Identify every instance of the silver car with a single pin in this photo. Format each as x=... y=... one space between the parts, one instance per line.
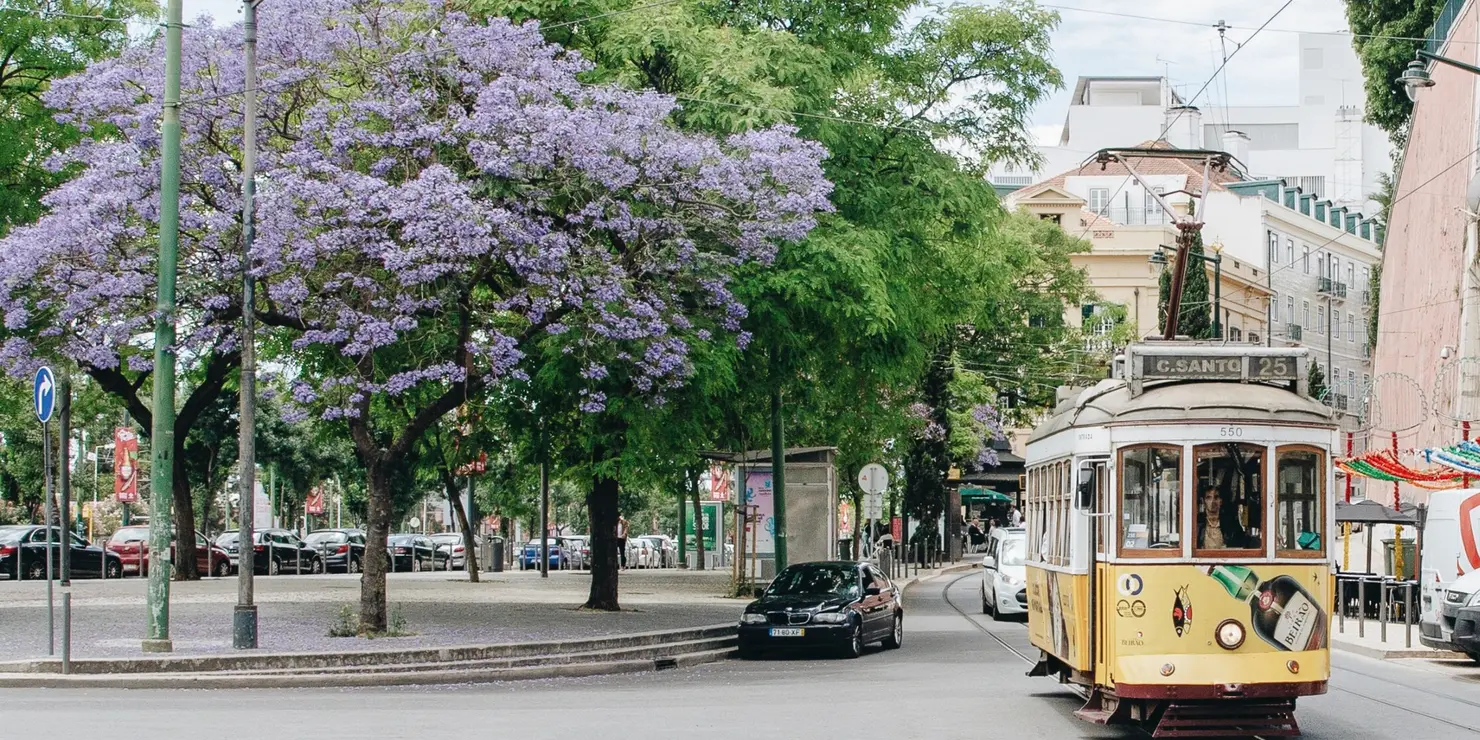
x=578 y=546
x=666 y=549
x=451 y=544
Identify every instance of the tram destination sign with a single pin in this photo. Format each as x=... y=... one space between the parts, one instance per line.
x=1219 y=367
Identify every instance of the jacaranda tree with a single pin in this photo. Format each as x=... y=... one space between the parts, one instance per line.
x=439 y=196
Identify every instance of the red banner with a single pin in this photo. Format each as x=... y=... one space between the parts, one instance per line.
x=478 y=466
x=125 y=465
x=314 y=504
x=896 y=529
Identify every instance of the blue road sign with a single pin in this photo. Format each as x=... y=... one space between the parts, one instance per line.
x=45 y=394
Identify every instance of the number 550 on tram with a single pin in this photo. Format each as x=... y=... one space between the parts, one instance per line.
x=1177 y=520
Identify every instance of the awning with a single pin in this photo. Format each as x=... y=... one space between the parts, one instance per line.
x=984 y=494
x=1371 y=512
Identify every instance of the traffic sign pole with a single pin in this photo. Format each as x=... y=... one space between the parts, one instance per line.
x=44 y=398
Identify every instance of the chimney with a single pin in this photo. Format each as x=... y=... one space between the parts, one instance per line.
x=1184 y=127
x=1236 y=143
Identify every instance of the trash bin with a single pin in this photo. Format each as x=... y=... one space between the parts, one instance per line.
x=1410 y=560
x=497 y=545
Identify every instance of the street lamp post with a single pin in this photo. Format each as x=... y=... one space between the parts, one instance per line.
x=244 y=617
x=1159 y=258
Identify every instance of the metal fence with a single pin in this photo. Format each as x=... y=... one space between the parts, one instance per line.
x=1385 y=600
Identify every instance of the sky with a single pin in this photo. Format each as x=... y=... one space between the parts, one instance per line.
x=1091 y=40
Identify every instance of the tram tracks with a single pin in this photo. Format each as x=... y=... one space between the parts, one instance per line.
x=969 y=617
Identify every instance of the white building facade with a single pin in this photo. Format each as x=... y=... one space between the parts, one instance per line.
x=1320 y=143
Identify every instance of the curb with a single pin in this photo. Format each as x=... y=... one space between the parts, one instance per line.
x=143 y=666
x=1404 y=653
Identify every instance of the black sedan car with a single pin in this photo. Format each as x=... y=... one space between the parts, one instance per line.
x=1466 y=637
x=343 y=550
x=415 y=552
x=23 y=551
x=274 y=551
x=832 y=605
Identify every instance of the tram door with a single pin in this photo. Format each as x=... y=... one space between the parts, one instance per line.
x=1094 y=499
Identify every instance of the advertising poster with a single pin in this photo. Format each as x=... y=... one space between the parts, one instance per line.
x=125 y=465
x=720 y=483
x=845 y=520
x=758 y=493
x=711 y=513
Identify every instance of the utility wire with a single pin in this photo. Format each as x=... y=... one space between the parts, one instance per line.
x=1207 y=25
x=1182 y=109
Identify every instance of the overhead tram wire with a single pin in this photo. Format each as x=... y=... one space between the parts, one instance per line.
x=1193 y=99
x=1208 y=25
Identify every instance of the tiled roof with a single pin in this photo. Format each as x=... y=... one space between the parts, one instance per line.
x=1144 y=166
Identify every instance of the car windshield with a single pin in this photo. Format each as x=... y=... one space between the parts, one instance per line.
x=130 y=534
x=12 y=534
x=1012 y=552
x=447 y=539
x=815 y=579
x=318 y=538
x=228 y=539
x=401 y=539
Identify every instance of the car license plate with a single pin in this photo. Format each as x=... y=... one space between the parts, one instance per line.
x=787 y=631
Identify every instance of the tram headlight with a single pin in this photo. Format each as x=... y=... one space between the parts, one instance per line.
x=1230 y=634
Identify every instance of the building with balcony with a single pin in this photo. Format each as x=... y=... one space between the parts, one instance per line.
x=1320 y=143
x=1319 y=259
x=1127 y=229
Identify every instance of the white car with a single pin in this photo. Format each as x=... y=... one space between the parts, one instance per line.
x=1004 y=577
x=666 y=548
x=643 y=553
x=452 y=544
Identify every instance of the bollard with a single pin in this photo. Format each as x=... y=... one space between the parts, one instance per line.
x=1382 y=611
x=1408 y=614
x=1362 y=607
x=66 y=631
x=1341 y=605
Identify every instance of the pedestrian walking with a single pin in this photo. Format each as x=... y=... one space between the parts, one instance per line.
x=622 y=540
x=1015 y=516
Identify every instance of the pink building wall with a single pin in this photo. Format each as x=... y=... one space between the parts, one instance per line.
x=1422 y=262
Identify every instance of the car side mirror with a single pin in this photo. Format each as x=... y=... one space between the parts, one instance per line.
x=989 y=562
x=871 y=590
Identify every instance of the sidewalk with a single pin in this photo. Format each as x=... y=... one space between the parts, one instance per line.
x=1372 y=645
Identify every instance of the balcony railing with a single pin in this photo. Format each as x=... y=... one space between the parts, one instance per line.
x=1292 y=332
x=1137 y=216
x=1332 y=288
x=1337 y=401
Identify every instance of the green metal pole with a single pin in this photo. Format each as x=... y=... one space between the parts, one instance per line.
x=683 y=500
x=778 y=465
x=162 y=439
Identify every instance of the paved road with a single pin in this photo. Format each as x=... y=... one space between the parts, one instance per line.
x=951 y=680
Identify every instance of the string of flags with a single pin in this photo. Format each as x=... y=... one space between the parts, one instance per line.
x=1383 y=465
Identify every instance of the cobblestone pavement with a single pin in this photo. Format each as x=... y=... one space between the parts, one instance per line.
x=296 y=612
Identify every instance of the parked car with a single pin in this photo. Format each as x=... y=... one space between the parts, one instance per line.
x=529 y=556
x=274 y=551
x=666 y=548
x=1004 y=577
x=578 y=551
x=649 y=553
x=131 y=544
x=343 y=550
x=452 y=546
x=836 y=605
x=412 y=552
x=23 y=549
x=1450 y=574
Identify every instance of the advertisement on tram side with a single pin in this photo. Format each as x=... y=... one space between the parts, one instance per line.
x=1058 y=605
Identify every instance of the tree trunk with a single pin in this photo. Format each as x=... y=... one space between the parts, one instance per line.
x=184 y=520
x=450 y=483
x=698 y=520
x=602 y=504
x=372 y=578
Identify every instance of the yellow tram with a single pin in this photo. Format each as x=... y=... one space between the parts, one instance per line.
x=1177 y=521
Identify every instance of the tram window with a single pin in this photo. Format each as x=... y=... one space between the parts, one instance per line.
x=1151 y=499
x=1230 y=496
x=1298 y=482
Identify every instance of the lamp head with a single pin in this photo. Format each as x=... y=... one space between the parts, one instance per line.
x=1415 y=76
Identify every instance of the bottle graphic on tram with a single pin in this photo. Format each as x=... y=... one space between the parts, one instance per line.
x=1284 y=614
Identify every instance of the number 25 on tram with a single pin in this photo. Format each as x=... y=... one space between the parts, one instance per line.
x=1176 y=521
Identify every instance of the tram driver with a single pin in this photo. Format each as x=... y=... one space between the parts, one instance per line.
x=1226 y=532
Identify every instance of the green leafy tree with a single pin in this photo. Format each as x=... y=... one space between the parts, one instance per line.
x=1315 y=381
x=1383 y=33
x=40 y=41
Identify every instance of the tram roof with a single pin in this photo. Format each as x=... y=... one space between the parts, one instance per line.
x=1112 y=402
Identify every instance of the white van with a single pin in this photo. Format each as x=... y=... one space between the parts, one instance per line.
x=1450 y=563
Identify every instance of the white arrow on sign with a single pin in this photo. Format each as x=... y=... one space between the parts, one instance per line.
x=873 y=478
